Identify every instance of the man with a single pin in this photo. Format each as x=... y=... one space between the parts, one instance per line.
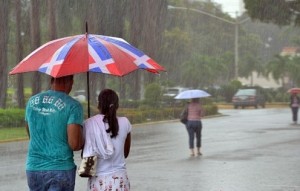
x=54 y=128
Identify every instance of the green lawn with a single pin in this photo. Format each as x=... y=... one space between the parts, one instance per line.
x=12 y=134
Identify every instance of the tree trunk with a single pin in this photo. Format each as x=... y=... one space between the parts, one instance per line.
x=155 y=16
x=51 y=19
x=117 y=29
x=4 y=7
x=51 y=9
x=136 y=24
x=19 y=56
x=111 y=15
x=35 y=42
x=96 y=20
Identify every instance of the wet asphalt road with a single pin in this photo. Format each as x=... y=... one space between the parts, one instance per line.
x=243 y=150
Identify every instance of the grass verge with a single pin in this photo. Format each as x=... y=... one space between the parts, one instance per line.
x=13 y=134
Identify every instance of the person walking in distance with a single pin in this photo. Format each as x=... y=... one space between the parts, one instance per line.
x=108 y=137
x=53 y=123
x=294 y=104
x=194 y=125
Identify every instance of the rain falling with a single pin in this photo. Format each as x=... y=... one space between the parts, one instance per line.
x=158 y=55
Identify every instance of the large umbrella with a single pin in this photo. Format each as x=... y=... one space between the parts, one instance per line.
x=189 y=94
x=87 y=53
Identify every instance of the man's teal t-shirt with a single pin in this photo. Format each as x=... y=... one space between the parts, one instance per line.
x=48 y=115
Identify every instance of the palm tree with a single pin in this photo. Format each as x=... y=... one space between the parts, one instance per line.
x=278 y=67
x=293 y=70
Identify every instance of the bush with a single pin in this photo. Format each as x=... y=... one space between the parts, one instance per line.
x=12 y=118
x=15 y=117
x=229 y=90
x=153 y=94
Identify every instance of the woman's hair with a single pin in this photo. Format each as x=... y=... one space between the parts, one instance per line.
x=195 y=100
x=108 y=103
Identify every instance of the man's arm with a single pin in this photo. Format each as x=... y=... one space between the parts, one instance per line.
x=75 y=138
x=27 y=130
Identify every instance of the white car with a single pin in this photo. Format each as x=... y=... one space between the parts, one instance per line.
x=80 y=95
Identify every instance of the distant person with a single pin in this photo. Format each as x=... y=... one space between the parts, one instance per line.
x=294 y=103
x=53 y=123
x=194 y=126
x=108 y=136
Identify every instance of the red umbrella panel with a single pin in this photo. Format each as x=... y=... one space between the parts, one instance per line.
x=294 y=90
x=87 y=53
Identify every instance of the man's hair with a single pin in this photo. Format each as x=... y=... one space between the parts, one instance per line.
x=61 y=79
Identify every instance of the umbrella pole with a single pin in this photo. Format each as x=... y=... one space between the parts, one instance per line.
x=88 y=79
x=88 y=93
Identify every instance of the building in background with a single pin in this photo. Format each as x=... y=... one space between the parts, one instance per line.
x=261 y=81
x=290 y=51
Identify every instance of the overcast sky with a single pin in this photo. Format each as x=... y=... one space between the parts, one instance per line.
x=230 y=6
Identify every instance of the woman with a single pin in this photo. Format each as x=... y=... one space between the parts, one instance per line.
x=111 y=146
x=194 y=125
x=294 y=103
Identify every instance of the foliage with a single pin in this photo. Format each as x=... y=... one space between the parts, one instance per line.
x=129 y=103
x=15 y=117
x=197 y=50
x=285 y=66
x=281 y=12
x=153 y=94
x=12 y=118
x=250 y=60
x=228 y=90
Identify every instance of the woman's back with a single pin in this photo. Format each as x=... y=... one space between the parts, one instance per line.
x=117 y=161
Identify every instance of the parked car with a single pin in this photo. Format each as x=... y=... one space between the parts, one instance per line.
x=174 y=91
x=170 y=93
x=80 y=95
x=248 y=97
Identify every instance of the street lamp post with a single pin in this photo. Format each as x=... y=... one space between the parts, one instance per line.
x=236 y=32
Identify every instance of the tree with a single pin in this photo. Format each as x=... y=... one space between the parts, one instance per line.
x=285 y=66
x=250 y=60
x=19 y=55
x=278 y=67
x=4 y=12
x=293 y=70
x=51 y=18
x=146 y=19
x=281 y=12
x=35 y=41
x=154 y=18
x=190 y=32
x=202 y=71
x=153 y=94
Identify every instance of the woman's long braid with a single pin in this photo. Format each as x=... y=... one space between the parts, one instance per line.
x=108 y=103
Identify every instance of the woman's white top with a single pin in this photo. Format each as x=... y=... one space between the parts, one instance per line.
x=110 y=151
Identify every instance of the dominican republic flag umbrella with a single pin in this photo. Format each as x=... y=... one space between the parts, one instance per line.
x=87 y=53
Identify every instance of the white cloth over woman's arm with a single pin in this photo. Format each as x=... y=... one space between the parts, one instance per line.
x=97 y=140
